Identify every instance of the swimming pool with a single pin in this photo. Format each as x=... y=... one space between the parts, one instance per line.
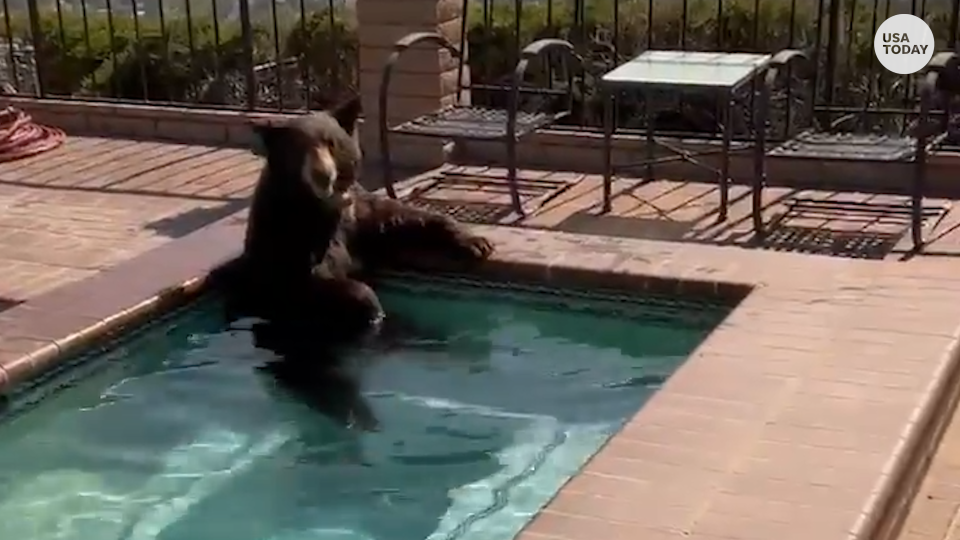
x=487 y=403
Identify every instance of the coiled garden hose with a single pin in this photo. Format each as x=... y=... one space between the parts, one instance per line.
x=21 y=137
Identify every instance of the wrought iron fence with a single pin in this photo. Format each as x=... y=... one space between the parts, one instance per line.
x=253 y=54
x=290 y=54
x=838 y=35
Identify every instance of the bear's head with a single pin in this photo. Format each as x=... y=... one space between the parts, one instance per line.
x=314 y=156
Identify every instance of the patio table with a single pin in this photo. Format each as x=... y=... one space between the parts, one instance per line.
x=683 y=72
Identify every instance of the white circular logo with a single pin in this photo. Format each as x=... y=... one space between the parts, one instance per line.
x=904 y=44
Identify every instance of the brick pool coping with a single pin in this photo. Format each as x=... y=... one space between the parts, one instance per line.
x=810 y=413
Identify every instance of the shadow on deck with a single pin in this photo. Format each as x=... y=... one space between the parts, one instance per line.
x=94 y=202
x=677 y=211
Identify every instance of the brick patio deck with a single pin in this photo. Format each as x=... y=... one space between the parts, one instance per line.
x=803 y=438
x=94 y=202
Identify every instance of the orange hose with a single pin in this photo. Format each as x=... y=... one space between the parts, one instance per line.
x=20 y=137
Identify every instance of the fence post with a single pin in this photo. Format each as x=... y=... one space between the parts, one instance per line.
x=834 y=37
x=250 y=77
x=955 y=28
x=33 y=12
x=423 y=81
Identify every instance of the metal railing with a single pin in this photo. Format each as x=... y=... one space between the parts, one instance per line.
x=292 y=54
x=248 y=54
x=837 y=34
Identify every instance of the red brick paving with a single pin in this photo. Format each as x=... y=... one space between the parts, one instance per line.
x=67 y=214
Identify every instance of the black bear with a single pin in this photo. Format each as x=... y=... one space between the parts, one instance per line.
x=314 y=235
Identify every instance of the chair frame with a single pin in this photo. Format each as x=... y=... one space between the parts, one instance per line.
x=511 y=127
x=926 y=137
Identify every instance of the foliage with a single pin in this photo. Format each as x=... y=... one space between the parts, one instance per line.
x=740 y=26
x=199 y=59
x=206 y=60
x=327 y=50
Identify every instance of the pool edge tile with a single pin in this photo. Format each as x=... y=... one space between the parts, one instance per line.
x=25 y=360
x=78 y=315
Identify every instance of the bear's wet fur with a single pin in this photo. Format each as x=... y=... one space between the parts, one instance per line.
x=290 y=226
x=315 y=236
x=319 y=376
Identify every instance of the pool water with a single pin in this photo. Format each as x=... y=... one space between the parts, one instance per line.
x=486 y=406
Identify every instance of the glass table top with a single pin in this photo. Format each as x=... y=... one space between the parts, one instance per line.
x=687 y=68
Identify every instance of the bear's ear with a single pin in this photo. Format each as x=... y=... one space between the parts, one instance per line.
x=267 y=134
x=347 y=114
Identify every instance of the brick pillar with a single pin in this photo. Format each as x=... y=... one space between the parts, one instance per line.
x=424 y=79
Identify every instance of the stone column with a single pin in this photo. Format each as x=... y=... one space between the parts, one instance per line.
x=423 y=81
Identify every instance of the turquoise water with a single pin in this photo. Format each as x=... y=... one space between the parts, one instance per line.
x=489 y=402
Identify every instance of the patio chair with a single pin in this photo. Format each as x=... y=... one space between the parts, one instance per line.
x=461 y=121
x=937 y=84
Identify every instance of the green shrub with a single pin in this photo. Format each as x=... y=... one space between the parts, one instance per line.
x=167 y=66
x=196 y=62
x=178 y=62
x=327 y=50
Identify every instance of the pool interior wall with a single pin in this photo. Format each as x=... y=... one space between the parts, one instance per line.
x=491 y=400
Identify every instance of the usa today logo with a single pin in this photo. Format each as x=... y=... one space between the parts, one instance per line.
x=904 y=44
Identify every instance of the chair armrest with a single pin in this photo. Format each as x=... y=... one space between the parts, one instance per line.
x=416 y=38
